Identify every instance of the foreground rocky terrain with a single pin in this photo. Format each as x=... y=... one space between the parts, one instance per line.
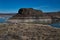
x=24 y=31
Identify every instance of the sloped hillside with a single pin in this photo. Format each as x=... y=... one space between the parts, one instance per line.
x=24 y=31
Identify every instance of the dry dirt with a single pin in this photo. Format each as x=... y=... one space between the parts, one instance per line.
x=24 y=31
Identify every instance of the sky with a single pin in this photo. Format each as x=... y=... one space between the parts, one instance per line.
x=12 y=6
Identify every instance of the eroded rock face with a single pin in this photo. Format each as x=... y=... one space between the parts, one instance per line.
x=29 y=11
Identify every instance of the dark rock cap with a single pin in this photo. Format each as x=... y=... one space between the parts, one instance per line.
x=26 y=12
x=29 y=11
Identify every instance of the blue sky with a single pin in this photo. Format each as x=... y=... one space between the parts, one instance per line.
x=12 y=6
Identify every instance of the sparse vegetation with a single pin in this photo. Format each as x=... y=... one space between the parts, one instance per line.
x=25 y=31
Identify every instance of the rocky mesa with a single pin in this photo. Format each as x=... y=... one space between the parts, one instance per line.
x=23 y=12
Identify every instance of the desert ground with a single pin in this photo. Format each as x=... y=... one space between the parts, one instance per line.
x=25 y=31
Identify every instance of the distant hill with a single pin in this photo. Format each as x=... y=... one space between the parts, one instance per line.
x=53 y=13
x=5 y=14
x=8 y=13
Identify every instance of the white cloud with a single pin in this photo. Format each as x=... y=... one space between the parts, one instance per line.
x=40 y=7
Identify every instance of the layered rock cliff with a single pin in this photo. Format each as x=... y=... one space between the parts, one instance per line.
x=23 y=12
